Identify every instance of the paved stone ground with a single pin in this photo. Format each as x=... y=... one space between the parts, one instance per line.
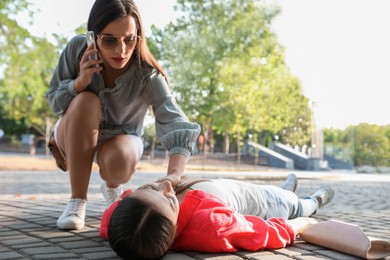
x=31 y=201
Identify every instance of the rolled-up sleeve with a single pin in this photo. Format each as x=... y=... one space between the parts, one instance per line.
x=173 y=129
x=61 y=89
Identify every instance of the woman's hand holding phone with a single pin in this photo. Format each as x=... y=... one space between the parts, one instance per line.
x=89 y=64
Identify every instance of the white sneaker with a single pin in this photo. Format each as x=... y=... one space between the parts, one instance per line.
x=73 y=216
x=111 y=194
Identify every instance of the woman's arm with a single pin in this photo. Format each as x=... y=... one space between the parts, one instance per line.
x=176 y=167
x=174 y=131
x=72 y=74
x=300 y=224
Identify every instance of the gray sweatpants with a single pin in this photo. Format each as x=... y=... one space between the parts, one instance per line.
x=265 y=201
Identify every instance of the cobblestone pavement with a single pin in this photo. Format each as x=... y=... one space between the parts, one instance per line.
x=31 y=201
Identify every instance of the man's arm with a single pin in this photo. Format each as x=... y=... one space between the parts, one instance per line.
x=300 y=224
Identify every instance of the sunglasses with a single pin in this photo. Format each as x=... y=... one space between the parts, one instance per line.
x=110 y=42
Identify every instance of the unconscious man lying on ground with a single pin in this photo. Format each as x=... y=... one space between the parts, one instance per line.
x=218 y=215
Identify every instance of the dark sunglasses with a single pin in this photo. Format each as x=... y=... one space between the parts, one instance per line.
x=110 y=42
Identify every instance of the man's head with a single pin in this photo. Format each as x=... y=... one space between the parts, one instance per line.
x=143 y=226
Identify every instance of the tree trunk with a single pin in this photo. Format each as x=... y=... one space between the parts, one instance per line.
x=226 y=143
x=238 y=148
x=152 y=149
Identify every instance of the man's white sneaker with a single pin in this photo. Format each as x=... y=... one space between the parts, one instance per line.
x=111 y=194
x=73 y=216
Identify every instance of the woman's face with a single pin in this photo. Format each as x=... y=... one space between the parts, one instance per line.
x=161 y=196
x=116 y=42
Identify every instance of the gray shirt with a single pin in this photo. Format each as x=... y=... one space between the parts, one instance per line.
x=124 y=107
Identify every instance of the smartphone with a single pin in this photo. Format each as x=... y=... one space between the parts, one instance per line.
x=91 y=41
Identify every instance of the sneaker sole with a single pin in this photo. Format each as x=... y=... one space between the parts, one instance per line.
x=70 y=226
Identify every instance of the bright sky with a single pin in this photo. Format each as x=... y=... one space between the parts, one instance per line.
x=340 y=50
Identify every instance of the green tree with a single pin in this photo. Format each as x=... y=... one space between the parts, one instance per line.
x=12 y=41
x=25 y=83
x=372 y=145
x=338 y=143
x=367 y=144
x=12 y=36
x=27 y=66
x=228 y=68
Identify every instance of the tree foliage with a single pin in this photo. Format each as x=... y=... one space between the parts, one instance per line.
x=369 y=143
x=27 y=66
x=12 y=36
x=229 y=70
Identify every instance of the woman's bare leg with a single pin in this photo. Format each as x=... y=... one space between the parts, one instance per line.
x=117 y=159
x=77 y=136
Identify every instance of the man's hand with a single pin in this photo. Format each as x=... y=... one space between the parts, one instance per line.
x=302 y=223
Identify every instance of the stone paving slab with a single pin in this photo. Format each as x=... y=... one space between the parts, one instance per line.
x=31 y=201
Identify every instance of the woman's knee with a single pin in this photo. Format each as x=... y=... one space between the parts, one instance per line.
x=117 y=159
x=116 y=169
x=86 y=104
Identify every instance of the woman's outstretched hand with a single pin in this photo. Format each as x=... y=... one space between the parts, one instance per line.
x=176 y=167
x=173 y=178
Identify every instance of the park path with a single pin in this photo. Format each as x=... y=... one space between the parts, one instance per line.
x=31 y=201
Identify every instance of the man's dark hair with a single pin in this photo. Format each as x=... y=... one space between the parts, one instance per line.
x=137 y=231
